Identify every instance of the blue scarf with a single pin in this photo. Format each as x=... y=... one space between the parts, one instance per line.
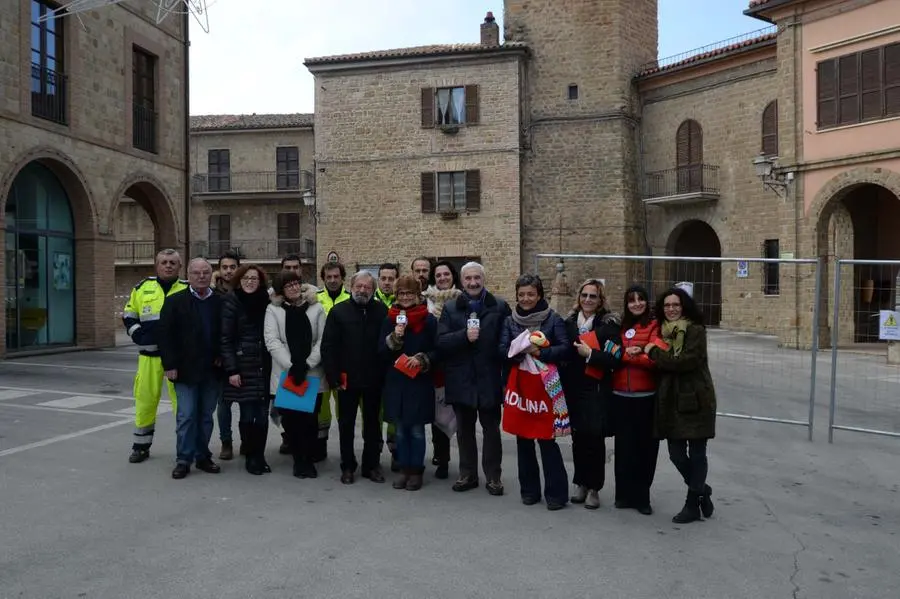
x=477 y=304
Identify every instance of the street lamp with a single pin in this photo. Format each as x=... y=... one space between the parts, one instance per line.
x=309 y=200
x=766 y=171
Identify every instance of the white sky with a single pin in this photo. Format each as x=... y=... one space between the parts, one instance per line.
x=251 y=61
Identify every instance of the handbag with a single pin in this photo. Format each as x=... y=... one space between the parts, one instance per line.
x=444 y=415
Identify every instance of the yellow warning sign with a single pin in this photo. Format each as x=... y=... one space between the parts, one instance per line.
x=890 y=321
x=889 y=329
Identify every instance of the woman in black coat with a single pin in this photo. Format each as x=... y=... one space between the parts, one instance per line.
x=246 y=361
x=411 y=331
x=587 y=380
x=533 y=313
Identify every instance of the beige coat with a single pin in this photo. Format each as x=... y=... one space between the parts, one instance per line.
x=276 y=341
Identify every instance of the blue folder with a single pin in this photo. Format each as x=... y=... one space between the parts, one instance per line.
x=301 y=403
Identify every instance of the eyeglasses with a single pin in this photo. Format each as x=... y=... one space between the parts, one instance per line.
x=292 y=285
x=589 y=296
x=406 y=294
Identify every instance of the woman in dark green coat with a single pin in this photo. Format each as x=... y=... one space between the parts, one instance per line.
x=686 y=412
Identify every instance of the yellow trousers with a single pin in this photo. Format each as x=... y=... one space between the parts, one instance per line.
x=148 y=382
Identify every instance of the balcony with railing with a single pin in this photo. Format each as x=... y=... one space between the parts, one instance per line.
x=135 y=252
x=255 y=184
x=140 y=253
x=144 y=125
x=49 y=94
x=692 y=184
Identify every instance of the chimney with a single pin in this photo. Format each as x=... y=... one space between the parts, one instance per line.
x=490 y=31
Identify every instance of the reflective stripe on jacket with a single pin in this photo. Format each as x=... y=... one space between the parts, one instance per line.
x=328 y=303
x=142 y=311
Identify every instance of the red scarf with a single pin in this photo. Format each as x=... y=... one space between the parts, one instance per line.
x=415 y=316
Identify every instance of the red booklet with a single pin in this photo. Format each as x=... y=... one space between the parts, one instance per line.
x=590 y=339
x=402 y=364
x=291 y=386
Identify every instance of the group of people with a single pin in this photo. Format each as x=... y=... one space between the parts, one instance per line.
x=409 y=350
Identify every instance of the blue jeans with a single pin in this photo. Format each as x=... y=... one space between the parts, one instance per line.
x=194 y=419
x=223 y=415
x=411 y=445
x=556 y=480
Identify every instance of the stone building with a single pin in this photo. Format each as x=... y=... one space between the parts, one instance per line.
x=779 y=144
x=249 y=175
x=89 y=116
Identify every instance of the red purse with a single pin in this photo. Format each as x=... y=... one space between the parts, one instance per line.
x=528 y=409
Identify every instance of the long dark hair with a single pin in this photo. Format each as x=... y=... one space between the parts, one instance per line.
x=453 y=273
x=689 y=309
x=629 y=320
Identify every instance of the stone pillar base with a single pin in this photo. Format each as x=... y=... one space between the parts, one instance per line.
x=893 y=352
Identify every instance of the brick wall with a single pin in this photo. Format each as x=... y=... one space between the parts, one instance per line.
x=369 y=183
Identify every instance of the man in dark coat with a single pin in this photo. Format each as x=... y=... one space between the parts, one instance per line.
x=468 y=343
x=350 y=359
x=189 y=345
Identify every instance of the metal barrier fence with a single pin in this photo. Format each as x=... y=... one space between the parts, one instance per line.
x=759 y=314
x=865 y=381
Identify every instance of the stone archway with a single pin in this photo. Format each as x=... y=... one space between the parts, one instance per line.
x=697 y=238
x=62 y=257
x=148 y=193
x=853 y=215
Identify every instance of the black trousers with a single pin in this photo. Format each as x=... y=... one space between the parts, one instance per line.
x=689 y=457
x=441 y=444
x=348 y=403
x=492 y=450
x=589 y=456
x=636 y=448
x=302 y=431
x=556 y=479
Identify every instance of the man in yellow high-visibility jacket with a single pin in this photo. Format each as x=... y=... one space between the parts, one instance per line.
x=141 y=318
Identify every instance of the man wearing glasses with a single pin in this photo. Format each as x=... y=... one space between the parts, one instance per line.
x=141 y=317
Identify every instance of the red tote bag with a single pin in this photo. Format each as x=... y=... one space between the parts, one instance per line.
x=527 y=409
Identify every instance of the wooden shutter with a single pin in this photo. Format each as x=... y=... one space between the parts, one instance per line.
x=429 y=202
x=689 y=157
x=428 y=108
x=892 y=80
x=472 y=105
x=826 y=93
x=770 y=129
x=848 y=89
x=870 y=80
x=473 y=191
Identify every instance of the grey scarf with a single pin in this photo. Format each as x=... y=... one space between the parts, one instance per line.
x=533 y=319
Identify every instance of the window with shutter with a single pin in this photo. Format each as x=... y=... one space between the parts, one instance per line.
x=427 y=108
x=689 y=157
x=287 y=167
x=892 y=80
x=219 y=234
x=218 y=170
x=770 y=129
x=848 y=88
x=826 y=93
x=472 y=105
x=289 y=241
x=429 y=203
x=870 y=75
x=473 y=191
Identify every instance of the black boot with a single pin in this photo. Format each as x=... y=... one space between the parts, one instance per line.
x=691 y=510
x=321 y=452
x=261 y=432
x=285 y=448
x=706 y=504
x=251 y=457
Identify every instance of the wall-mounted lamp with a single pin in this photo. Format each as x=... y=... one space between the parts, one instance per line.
x=766 y=168
x=309 y=200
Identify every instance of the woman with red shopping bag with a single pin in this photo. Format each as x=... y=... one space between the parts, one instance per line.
x=534 y=340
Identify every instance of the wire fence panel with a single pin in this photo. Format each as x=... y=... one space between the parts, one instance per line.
x=865 y=348
x=759 y=315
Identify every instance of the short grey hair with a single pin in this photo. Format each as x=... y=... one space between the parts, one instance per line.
x=195 y=260
x=168 y=252
x=362 y=274
x=472 y=266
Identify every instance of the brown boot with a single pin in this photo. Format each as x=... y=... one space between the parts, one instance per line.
x=402 y=479
x=415 y=480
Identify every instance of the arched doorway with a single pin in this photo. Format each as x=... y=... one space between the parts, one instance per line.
x=696 y=238
x=40 y=261
x=859 y=223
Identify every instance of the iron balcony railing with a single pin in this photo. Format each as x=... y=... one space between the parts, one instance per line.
x=695 y=179
x=135 y=252
x=255 y=249
x=49 y=94
x=251 y=182
x=144 y=126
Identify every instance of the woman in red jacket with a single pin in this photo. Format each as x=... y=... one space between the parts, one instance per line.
x=634 y=405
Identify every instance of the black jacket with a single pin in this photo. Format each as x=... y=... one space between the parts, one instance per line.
x=244 y=350
x=473 y=371
x=588 y=398
x=184 y=345
x=350 y=345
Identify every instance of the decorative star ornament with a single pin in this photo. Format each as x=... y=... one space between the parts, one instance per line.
x=197 y=8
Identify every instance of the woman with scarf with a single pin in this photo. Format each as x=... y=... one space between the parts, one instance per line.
x=246 y=362
x=686 y=413
x=634 y=405
x=533 y=313
x=443 y=286
x=295 y=323
x=409 y=341
x=587 y=380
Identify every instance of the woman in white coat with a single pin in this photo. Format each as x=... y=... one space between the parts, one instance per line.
x=295 y=323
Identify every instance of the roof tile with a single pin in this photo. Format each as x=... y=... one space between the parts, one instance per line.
x=716 y=53
x=230 y=122
x=414 y=52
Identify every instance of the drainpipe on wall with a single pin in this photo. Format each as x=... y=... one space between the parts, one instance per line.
x=186 y=26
